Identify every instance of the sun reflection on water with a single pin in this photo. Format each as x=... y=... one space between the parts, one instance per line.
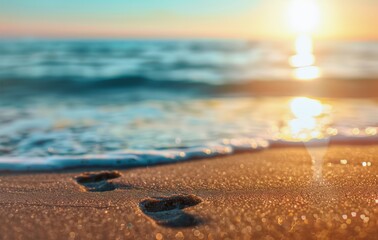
x=307 y=73
x=308 y=119
x=304 y=59
x=303 y=107
x=304 y=17
x=303 y=49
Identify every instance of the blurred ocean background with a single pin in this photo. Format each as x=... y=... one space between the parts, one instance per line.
x=168 y=63
x=151 y=101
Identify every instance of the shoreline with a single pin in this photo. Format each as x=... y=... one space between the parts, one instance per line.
x=134 y=159
x=271 y=194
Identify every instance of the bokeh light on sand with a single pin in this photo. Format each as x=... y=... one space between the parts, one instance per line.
x=311 y=122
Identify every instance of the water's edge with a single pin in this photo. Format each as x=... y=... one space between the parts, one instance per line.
x=130 y=158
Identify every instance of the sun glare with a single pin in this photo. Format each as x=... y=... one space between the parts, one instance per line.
x=303 y=61
x=307 y=73
x=306 y=120
x=303 y=107
x=303 y=48
x=304 y=16
x=304 y=44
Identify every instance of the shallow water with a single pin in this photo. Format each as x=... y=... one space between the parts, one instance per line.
x=76 y=103
x=154 y=131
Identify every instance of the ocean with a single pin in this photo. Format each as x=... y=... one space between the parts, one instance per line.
x=124 y=103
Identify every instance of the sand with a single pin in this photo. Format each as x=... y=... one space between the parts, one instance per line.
x=335 y=88
x=272 y=194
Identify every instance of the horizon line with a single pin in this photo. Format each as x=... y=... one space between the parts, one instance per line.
x=171 y=37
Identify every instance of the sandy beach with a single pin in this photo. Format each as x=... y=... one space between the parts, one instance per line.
x=271 y=194
x=189 y=120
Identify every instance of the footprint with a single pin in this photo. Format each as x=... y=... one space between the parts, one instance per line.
x=97 y=182
x=167 y=211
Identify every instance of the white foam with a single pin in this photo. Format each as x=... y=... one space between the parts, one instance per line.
x=138 y=158
x=129 y=158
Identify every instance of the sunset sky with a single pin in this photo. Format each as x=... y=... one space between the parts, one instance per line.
x=250 y=19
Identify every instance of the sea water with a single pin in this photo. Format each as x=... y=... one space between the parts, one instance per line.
x=99 y=103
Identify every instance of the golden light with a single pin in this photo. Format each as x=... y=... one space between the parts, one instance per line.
x=303 y=48
x=303 y=107
x=304 y=16
x=371 y=131
x=304 y=44
x=304 y=59
x=307 y=73
x=311 y=121
x=307 y=121
x=297 y=125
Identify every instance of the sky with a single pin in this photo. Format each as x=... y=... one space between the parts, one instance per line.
x=247 y=19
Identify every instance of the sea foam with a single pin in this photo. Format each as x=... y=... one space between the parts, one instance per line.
x=130 y=158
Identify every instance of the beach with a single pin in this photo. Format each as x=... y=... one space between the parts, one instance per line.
x=189 y=120
x=187 y=139
x=270 y=194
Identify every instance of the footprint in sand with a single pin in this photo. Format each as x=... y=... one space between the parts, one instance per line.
x=168 y=211
x=98 y=182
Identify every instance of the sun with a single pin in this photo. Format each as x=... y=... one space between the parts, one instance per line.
x=304 y=16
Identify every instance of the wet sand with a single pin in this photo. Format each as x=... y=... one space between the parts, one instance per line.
x=271 y=194
x=335 y=88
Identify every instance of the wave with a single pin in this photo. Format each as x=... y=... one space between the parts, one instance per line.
x=79 y=84
x=139 y=158
x=126 y=83
x=130 y=158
